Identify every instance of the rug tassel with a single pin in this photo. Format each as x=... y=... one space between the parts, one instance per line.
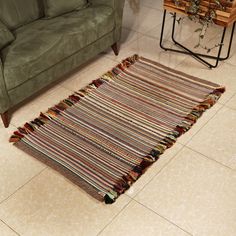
x=74 y=98
x=39 y=122
x=52 y=113
x=110 y=197
x=43 y=117
x=108 y=76
x=19 y=134
x=68 y=103
x=97 y=82
x=22 y=130
x=29 y=128
x=14 y=139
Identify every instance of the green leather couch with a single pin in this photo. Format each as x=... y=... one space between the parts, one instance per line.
x=42 y=40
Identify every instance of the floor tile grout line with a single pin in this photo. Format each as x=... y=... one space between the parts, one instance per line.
x=181 y=61
x=225 y=103
x=9 y=227
x=209 y=40
x=230 y=64
x=155 y=8
x=147 y=33
x=192 y=136
x=165 y=38
x=144 y=33
x=163 y=217
x=186 y=144
x=115 y=216
x=134 y=31
x=234 y=109
x=141 y=35
x=158 y=172
x=145 y=6
x=211 y=159
x=106 y=56
x=22 y=186
x=189 y=56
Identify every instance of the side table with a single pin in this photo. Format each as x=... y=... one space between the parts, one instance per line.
x=223 y=18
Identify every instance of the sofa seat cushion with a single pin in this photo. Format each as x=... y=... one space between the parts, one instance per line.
x=44 y=43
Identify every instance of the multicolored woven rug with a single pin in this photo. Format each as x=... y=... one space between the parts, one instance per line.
x=104 y=136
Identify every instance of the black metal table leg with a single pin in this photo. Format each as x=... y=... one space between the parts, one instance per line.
x=197 y=56
x=230 y=42
x=162 y=31
x=220 y=48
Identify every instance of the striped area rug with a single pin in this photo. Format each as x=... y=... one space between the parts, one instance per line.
x=104 y=136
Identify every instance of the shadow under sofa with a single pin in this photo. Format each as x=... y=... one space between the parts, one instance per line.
x=45 y=49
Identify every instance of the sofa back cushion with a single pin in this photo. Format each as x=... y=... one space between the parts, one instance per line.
x=6 y=37
x=15 y=13
x=58 y=7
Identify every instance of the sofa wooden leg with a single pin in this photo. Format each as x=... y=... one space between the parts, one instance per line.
x=115 y=48
x=5 y=119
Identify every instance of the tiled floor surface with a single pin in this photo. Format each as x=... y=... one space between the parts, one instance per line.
x=191 y=190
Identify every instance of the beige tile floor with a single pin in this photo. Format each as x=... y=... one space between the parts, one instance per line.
x=191 y=190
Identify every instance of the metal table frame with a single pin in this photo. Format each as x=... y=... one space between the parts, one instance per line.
x=197 y=56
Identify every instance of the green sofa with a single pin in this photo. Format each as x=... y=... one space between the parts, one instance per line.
x=43 y=40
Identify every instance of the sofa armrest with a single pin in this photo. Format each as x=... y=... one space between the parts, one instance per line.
x=117 y=5
x=4 y=98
